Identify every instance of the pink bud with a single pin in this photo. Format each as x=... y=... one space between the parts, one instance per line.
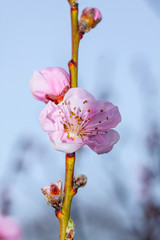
x=50 y=84
x=9 y=229
x=53 y=189
x=90 y=17
x=54 y=195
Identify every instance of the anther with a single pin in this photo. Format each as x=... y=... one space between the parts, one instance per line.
x=101 y=110
x=73 y=113
x=99 y=121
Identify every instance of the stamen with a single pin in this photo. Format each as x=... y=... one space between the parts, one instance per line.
x=73 y=113
x=77 y=126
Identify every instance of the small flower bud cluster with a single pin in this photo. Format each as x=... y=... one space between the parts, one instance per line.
x=79 y=180
x=70 y=230
x=90 y=17
x=54 y=195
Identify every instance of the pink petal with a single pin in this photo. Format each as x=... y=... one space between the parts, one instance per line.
x=57 y=79
x=56 y=188
x=55 y=136
x=46 y=190
x=79 y=93
x=97 y=13
x=48 y=123
x=39 y=86
x=103 y=143
x=70 y=146
x=59 y=185
x=80 y=98
x=106 y=115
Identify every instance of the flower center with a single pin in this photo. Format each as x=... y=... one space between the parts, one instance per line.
x=53 y=98
x=77 y=122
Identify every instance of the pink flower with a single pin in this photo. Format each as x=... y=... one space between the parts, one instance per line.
x=9 y=229
x=81 y=119
x=50 y=84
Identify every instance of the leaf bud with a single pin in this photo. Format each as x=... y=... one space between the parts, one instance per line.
x=79 y=181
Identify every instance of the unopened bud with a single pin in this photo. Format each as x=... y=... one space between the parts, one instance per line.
x=90 y=17
x=54 y=195
x=70 y=230
x=79 y=181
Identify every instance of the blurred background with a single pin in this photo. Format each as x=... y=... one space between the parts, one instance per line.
x=119 y=61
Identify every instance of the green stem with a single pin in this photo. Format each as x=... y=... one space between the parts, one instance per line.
x=64 y=215
x=69 y=193
x=73 y=64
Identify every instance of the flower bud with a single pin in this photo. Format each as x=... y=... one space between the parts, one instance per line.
x=70 y=230
x=79 y=181
x=54 y=195
x=51 y=83
x=90 y=17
